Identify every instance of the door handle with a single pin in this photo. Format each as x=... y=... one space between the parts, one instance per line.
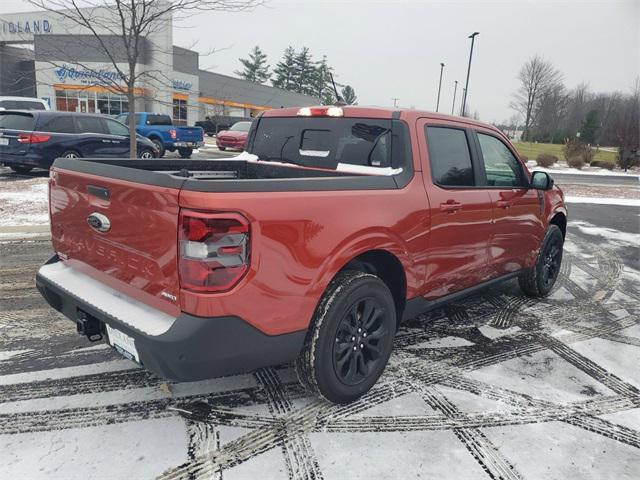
x=503 y=204
x=450 y=206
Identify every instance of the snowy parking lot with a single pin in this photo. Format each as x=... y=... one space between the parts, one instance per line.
x=495 y=386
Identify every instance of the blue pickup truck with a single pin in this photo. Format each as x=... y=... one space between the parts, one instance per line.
x=165 y=135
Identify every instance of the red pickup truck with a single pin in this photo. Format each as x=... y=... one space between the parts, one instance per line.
x=312 y=246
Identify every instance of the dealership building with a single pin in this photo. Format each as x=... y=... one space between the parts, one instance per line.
x=43 y=54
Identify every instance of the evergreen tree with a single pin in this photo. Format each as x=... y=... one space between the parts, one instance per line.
x=589 y=127
x=322 y=82
x=284 y=71
x=304 y=73
x=349 y=95
x=256 y=68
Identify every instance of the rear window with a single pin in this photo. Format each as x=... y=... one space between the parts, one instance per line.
x=16 y=121
x=324 y=142
x=21 y=105
x=56 y=124
x=159 y=120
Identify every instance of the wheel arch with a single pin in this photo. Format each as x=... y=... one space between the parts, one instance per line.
x=560 y=220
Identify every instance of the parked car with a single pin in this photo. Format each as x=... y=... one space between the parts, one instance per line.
x=235 y=137
x=217 y=123
x=35 y=139
x=333 y=227
x=23 y=103
x=165 y=135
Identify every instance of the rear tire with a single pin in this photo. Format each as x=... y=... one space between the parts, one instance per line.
x=540 y=279
x=185 y=152
x=20 y=168
x=146 y=154
x=70 y=154
x=349 y=339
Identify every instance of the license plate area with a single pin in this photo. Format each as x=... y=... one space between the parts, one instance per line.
x=4 y=141
x=123 y=343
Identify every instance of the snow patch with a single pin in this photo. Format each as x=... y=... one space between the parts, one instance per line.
x=631 y=202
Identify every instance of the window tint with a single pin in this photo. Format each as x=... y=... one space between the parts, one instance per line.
x=159 y=120
x=90 y=124
x=241 y=127
x=116 y=128
x=16 y=121
x=21 y=105
x=56 y=124
x=449 y=156
x=502 y=168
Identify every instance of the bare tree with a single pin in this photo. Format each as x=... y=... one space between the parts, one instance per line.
x=537 y=77
x=132 y=22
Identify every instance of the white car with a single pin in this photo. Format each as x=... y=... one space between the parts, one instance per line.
x=23 y=103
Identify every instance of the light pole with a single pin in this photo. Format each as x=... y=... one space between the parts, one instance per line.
x=439 y=86
x=395 y=101
x=455 y=89
x=463 y=92
x=466 y=86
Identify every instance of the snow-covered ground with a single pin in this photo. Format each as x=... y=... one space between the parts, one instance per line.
x=23 y=202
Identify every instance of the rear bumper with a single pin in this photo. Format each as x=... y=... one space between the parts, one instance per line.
x=185 y=348
x=28 y=160
x=187 y=144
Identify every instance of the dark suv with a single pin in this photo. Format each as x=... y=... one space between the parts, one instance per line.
x=34 y=139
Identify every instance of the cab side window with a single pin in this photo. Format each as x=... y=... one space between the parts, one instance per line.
x=501 y=167
x=449 y=157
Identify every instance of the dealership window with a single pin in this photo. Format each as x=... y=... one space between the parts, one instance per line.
x=92 y=102
x=179 y=111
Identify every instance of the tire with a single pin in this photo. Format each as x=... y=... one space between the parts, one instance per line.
x=20 y=168
x=158 y=143
x=210 y=134
x=185 y=152
x=334 y=347
x=70 y=154
x=146 y=154
x=540 y=279
x=222 y=149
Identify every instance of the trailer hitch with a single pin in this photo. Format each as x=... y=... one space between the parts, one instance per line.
x=88 y=326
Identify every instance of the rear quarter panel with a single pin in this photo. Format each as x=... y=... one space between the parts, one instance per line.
x=300 y=240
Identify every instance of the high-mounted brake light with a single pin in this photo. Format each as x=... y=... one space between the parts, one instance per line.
x=214 y=250
x=320 y=112
x=173 y=134
x=33 y=138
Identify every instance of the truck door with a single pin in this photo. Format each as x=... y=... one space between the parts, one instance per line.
x=518 y=228
x=461 y=213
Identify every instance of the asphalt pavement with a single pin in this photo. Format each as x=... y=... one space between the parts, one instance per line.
x=587 y=179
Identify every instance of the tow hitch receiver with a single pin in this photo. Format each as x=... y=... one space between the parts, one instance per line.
x=88 y=326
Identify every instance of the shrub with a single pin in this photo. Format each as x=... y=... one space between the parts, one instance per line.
x=524 y=158
x=545 y=160
x=576 y=162
x=602 y=164
x=573 y=147
x=628 y=157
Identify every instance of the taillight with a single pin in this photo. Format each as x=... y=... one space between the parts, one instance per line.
x=214 y=250
x=33 y=138
x=173 y=134
x=325 y=111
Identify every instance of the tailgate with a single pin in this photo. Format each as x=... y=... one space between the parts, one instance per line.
x=121 y=233
x=189 y=134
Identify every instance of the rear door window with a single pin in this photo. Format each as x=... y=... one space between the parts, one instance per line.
x=450 y=157
x=16 y=121
x=56 y=124
x=90 y=125
x=324 y=142
x=116 y=128
x=501 y=167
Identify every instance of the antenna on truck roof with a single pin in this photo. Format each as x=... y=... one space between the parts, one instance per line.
x=339 y=100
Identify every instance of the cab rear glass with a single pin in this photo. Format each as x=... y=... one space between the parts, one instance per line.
x=324 y=142
x=21 y=105
x=16 y=121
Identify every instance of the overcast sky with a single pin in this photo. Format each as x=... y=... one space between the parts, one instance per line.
x=388 y=49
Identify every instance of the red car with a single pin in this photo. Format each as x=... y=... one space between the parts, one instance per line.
x=334 y=226
x=234 y=138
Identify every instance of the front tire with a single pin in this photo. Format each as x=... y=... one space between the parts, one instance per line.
x=185 y=152
x=159 y=146
x=146 y=154
x=350 y=338
x=540 y=279
x=222 y=149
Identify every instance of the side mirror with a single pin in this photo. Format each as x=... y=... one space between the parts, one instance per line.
x=541 y=181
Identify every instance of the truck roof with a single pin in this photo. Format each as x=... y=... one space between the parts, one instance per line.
x=407 y=114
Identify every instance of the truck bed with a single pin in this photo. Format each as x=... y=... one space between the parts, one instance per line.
x=228 y=175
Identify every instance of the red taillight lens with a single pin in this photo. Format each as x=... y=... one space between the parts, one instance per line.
x=173 y=134
x=33 y=138
x=214 y=250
